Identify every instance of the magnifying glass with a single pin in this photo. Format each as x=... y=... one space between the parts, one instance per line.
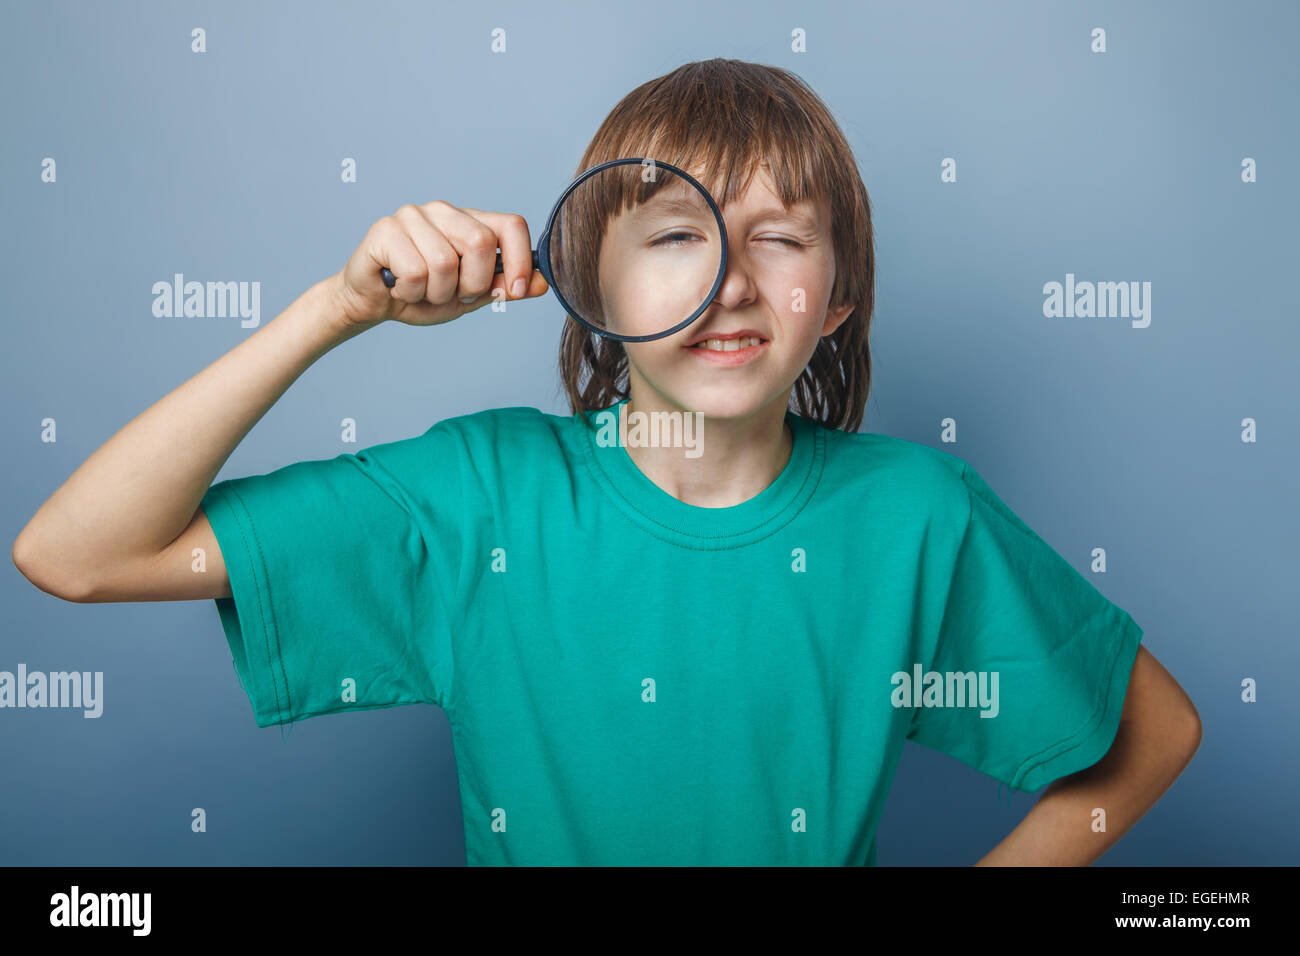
x=634 y=249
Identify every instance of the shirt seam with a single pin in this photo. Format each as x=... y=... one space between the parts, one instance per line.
x=265 y=606
x=444 y=603
x=1085 y=730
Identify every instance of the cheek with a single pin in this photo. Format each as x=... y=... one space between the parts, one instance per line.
x=644 y=301
x=624 y=300
x=800 y=294
x=652 y=358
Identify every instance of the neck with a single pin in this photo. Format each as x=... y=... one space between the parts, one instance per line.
x=741 y=456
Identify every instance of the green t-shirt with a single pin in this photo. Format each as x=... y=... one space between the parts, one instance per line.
x=632 y=680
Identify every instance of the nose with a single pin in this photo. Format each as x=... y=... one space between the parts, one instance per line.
x=737 y=289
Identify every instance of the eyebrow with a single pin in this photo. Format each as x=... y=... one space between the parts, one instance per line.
x=779 y=214
x=663 y=204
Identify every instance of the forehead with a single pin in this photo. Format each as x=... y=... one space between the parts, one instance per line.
x=759 y=199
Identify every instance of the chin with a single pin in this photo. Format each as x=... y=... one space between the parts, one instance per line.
x=725 y=400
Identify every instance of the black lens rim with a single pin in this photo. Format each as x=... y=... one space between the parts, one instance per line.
x=544 y=250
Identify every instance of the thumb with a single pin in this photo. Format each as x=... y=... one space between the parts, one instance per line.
x=537 y=284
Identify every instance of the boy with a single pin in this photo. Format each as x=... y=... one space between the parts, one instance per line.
x=645 y=658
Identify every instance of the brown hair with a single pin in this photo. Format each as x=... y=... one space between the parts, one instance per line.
x=728 y=117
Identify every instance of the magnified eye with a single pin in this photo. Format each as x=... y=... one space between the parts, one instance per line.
x=675 y=240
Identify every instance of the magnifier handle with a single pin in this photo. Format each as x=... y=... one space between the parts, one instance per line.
x=390 y=280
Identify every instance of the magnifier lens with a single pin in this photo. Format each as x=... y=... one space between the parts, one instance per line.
x=635 y=249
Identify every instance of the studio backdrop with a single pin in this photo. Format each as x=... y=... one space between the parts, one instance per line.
x=1085 y=222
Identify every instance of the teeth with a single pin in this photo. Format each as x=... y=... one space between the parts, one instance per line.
x=728 y=345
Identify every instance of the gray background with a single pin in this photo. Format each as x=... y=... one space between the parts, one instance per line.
x=225 y=166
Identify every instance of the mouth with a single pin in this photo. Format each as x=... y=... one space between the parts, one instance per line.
x=727 y=348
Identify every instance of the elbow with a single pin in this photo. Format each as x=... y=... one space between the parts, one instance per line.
x=1189 y=737
x=1193 y=731
x=23 y=555
x=32 y=564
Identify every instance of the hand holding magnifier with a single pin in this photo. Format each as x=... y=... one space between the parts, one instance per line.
x=634 y=250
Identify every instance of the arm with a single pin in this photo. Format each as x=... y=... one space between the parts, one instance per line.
x=122 y=527
x=1158 y=735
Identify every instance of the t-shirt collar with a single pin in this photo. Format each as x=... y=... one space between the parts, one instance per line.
x=709 y=528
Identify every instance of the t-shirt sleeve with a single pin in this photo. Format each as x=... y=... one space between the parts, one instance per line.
x=1061 y=653
x=339 y=579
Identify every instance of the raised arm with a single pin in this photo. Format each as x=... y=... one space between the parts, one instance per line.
x=124 y=525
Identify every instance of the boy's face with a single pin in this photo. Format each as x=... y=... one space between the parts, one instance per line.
x=777 y=287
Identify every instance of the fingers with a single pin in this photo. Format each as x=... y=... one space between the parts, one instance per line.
x=516 y=245
x=441 y=266
x=395 y=249
x=444 y=258
x=474 y=242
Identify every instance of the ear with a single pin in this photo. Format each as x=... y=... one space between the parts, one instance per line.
x=835 y=318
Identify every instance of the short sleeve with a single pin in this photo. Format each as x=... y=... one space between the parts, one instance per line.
x=1054 y=655
x=336 y=570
